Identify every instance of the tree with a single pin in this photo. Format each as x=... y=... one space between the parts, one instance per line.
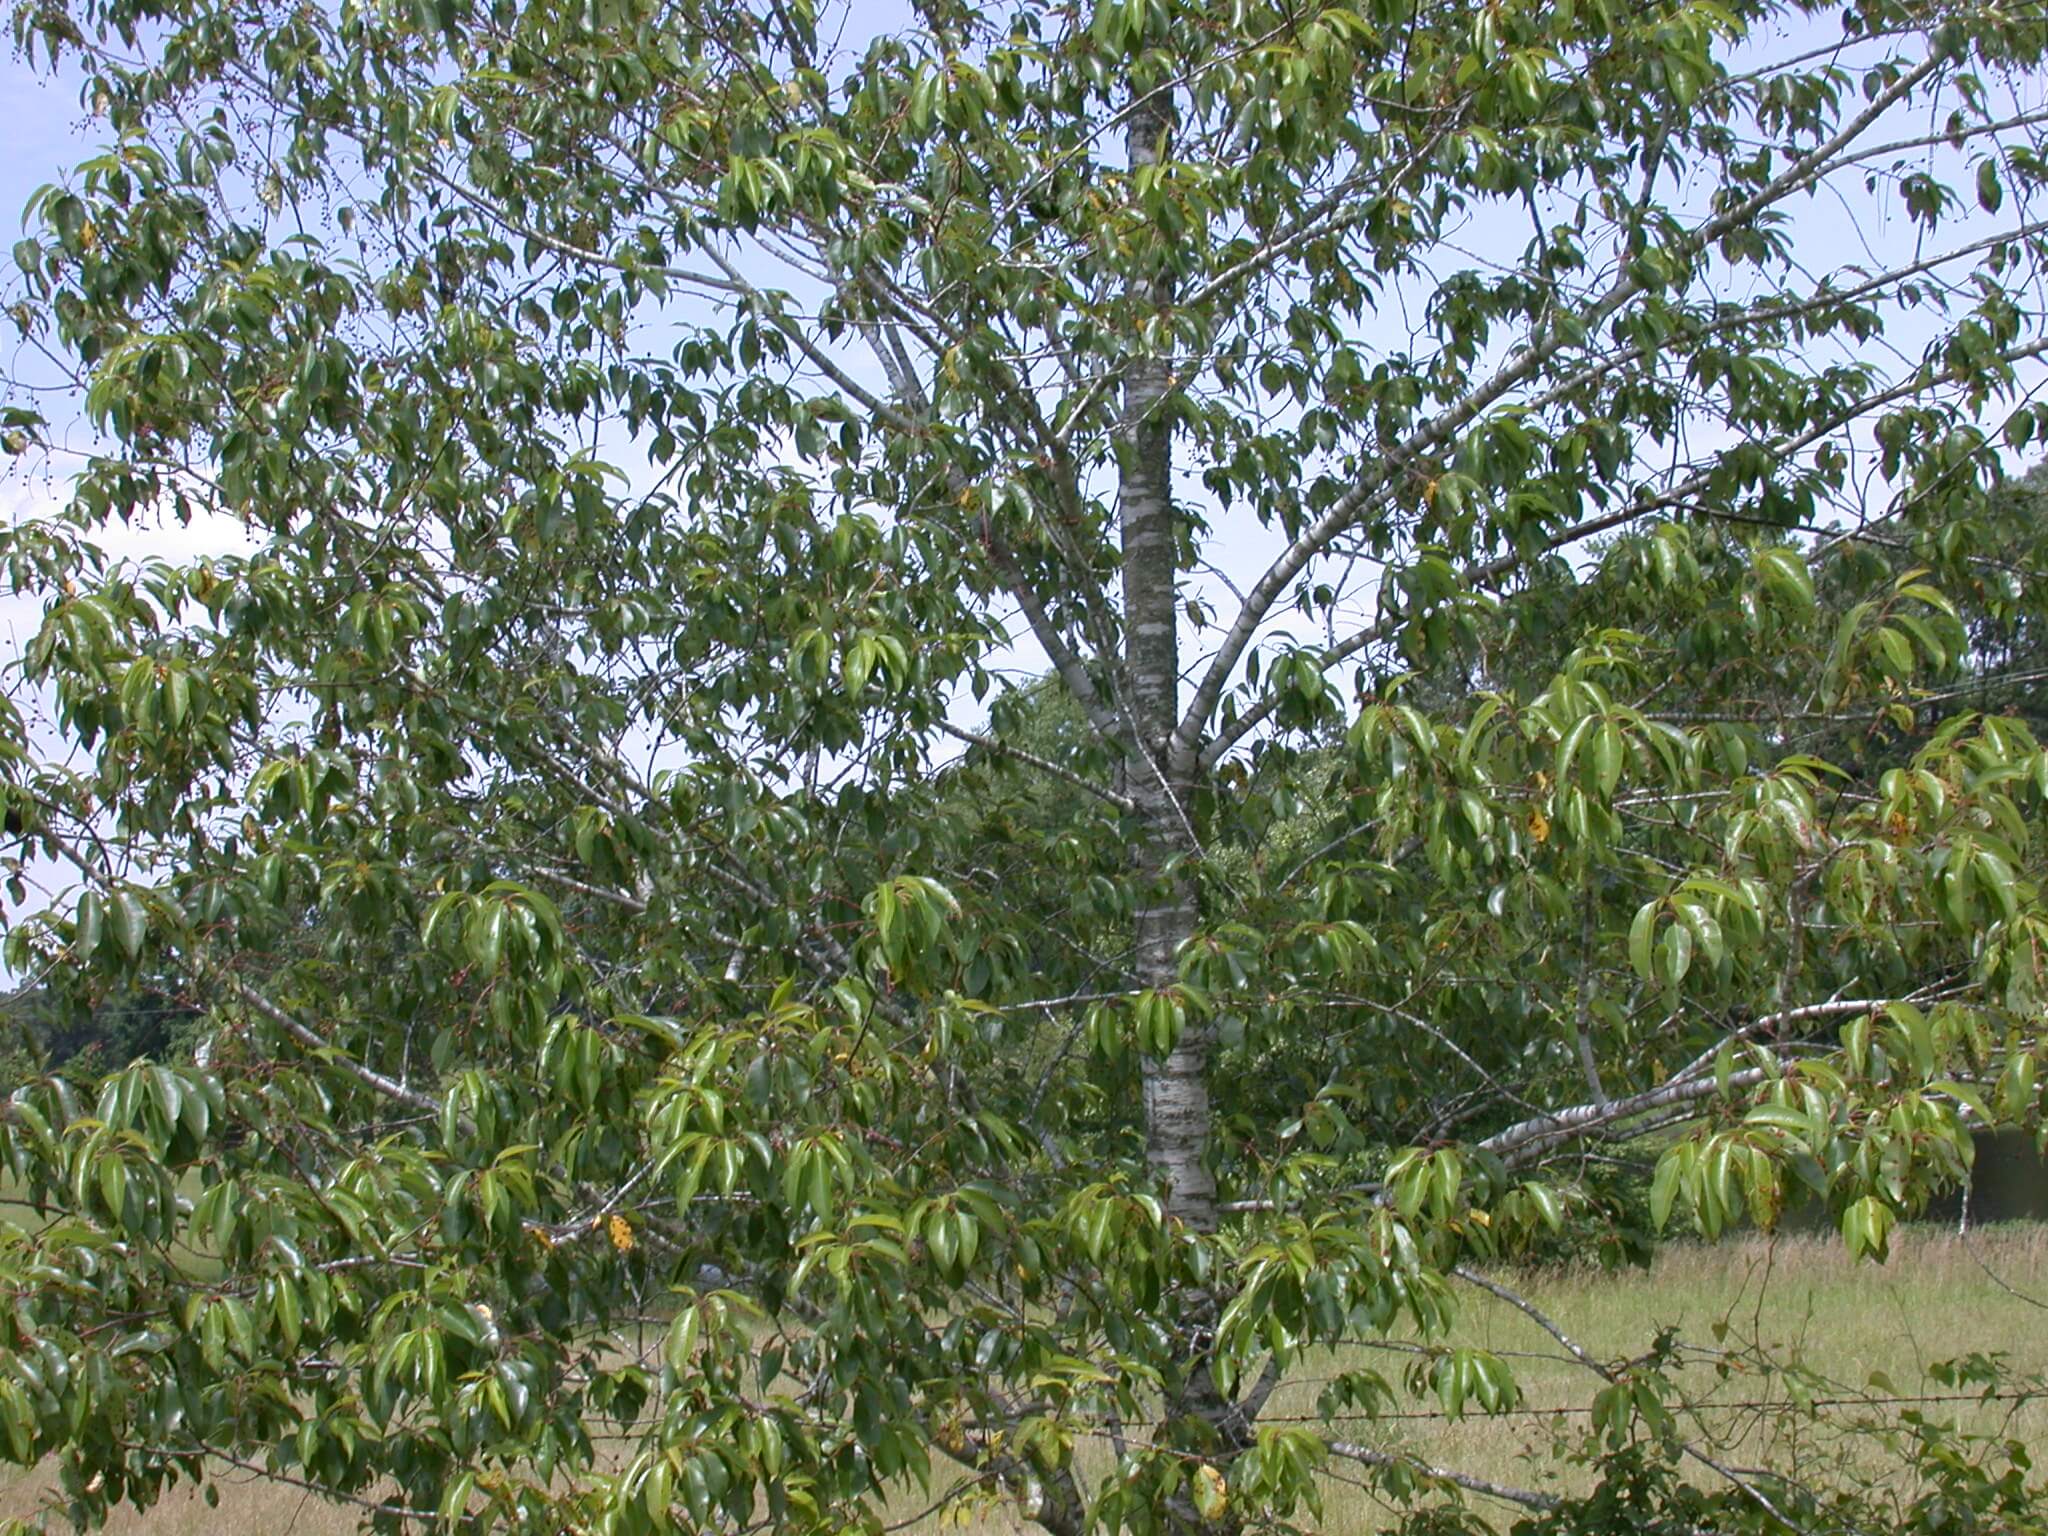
x=652 y=1078
x=87 y=1034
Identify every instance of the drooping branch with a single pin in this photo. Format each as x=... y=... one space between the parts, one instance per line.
x=1535 y=1315
x=1479 y=578
x=1073 y=672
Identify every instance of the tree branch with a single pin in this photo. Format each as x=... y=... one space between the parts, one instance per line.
x=1366 y=1456
x=1033 y=760
x=1524 y=1141
x=376 y=1082
x=1522 y=366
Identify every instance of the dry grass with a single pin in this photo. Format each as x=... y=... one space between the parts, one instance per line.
x=1849 y=1330
x=1796 y=1298
x=247 y=1508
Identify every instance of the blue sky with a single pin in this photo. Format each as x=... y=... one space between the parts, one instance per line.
x=43 y=132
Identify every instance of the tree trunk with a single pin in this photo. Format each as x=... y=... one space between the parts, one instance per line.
x=1177 y=1112
x=1176 y=1095
x=1161 y=774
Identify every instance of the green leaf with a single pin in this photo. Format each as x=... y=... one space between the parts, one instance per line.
x=1785 y=573
x=1608 y=752
x=1866 y=1229
x=1676 y=951
x=1664 y=1184
x=1990 y=197
x=484 y=935
x=127 y=922
x=1641 y=937
x=88 y=918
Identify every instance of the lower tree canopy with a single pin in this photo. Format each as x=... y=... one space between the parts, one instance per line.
x=937 y=736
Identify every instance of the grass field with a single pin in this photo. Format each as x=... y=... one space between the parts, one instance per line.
x=1852 y=1330
x=1797 y=1297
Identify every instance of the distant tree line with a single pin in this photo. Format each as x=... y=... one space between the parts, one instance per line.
x=47 y=1027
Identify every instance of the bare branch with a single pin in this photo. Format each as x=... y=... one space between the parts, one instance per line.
x=376 y=1082
x=1033 y=760
x=1366 y=1456
x=1526 y=1140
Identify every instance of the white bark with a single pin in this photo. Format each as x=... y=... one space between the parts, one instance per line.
x=1177 y=1112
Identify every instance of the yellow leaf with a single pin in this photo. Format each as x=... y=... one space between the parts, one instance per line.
x=1210 y=1494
